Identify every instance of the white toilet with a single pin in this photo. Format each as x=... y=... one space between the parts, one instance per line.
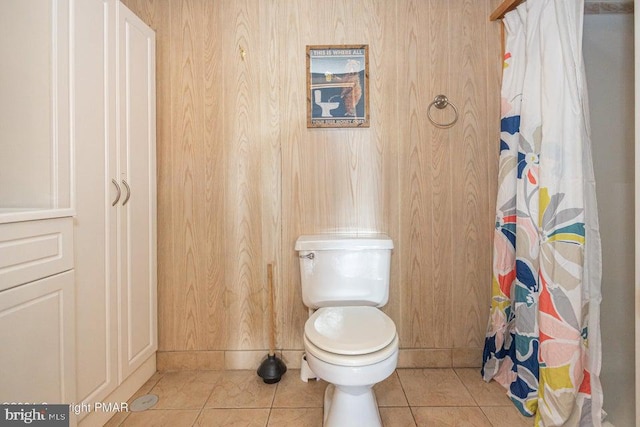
x=349 y=342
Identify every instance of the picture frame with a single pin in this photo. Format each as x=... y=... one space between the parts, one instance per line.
x=337 y=86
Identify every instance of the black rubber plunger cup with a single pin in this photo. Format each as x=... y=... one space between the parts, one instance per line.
x=272 y=368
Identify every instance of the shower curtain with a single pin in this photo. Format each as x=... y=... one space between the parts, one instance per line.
x=543 y=338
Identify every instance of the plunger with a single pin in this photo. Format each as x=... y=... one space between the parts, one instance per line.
x=272 y=368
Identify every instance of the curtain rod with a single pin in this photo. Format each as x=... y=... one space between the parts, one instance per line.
x=503 y=8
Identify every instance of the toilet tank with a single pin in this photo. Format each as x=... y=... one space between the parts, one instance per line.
x=340 y=270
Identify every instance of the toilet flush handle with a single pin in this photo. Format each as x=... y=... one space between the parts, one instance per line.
x=310 y=255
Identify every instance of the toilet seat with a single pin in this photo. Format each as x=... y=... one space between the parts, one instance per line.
x=351 y=330
x=352 y=360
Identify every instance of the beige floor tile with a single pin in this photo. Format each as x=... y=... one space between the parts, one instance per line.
x=151 y=382
x=117 y=419
x=485 y=394
x=300 y=417
x=450 y=417
x=184 y=389
x=292 y=392
x=147 y=387
x=241 y=389
x=161 y=418
x=397 y=417
x=434 y=387
x=389 y=392
x=439 y=397
x=233 y=418
x=506 y=416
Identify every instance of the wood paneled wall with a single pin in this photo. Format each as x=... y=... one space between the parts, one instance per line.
x=240 y=176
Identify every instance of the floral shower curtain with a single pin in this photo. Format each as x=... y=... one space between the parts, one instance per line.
x=543 y=339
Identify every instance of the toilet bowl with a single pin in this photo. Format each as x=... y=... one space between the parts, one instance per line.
x=349 y=342
x=352 y=348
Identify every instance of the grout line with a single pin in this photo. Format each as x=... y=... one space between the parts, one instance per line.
x=273 y=399
x=466 y=388
x=392 y=406
x=413 y=416
x=268 y=417
x=204 y=404
x=197 y=418
x=487 y=417
x=402 y=387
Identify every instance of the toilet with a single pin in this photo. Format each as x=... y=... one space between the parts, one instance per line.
x=349 y=342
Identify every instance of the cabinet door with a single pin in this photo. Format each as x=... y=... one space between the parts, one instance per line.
x=37 y=336
x=95 y=221
x=138 y=333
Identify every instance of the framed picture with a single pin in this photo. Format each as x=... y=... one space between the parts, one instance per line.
x=338 y=86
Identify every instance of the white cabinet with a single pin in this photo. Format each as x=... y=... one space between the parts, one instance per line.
x=115 y=230
x=77 y=295
x=37 y=336
x=37 y=326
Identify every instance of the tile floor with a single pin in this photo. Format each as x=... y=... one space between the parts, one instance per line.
x=409 y=397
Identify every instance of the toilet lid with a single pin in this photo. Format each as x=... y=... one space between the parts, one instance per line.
x=350 y=330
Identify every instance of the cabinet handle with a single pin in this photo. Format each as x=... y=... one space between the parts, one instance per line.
x=126 y=199
x=118 y=190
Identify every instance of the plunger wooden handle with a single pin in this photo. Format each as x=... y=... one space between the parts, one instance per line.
x=272 y=332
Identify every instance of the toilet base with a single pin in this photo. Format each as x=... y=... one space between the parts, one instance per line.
x=350 y=406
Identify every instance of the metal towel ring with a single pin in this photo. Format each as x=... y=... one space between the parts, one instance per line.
x=441 y=102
